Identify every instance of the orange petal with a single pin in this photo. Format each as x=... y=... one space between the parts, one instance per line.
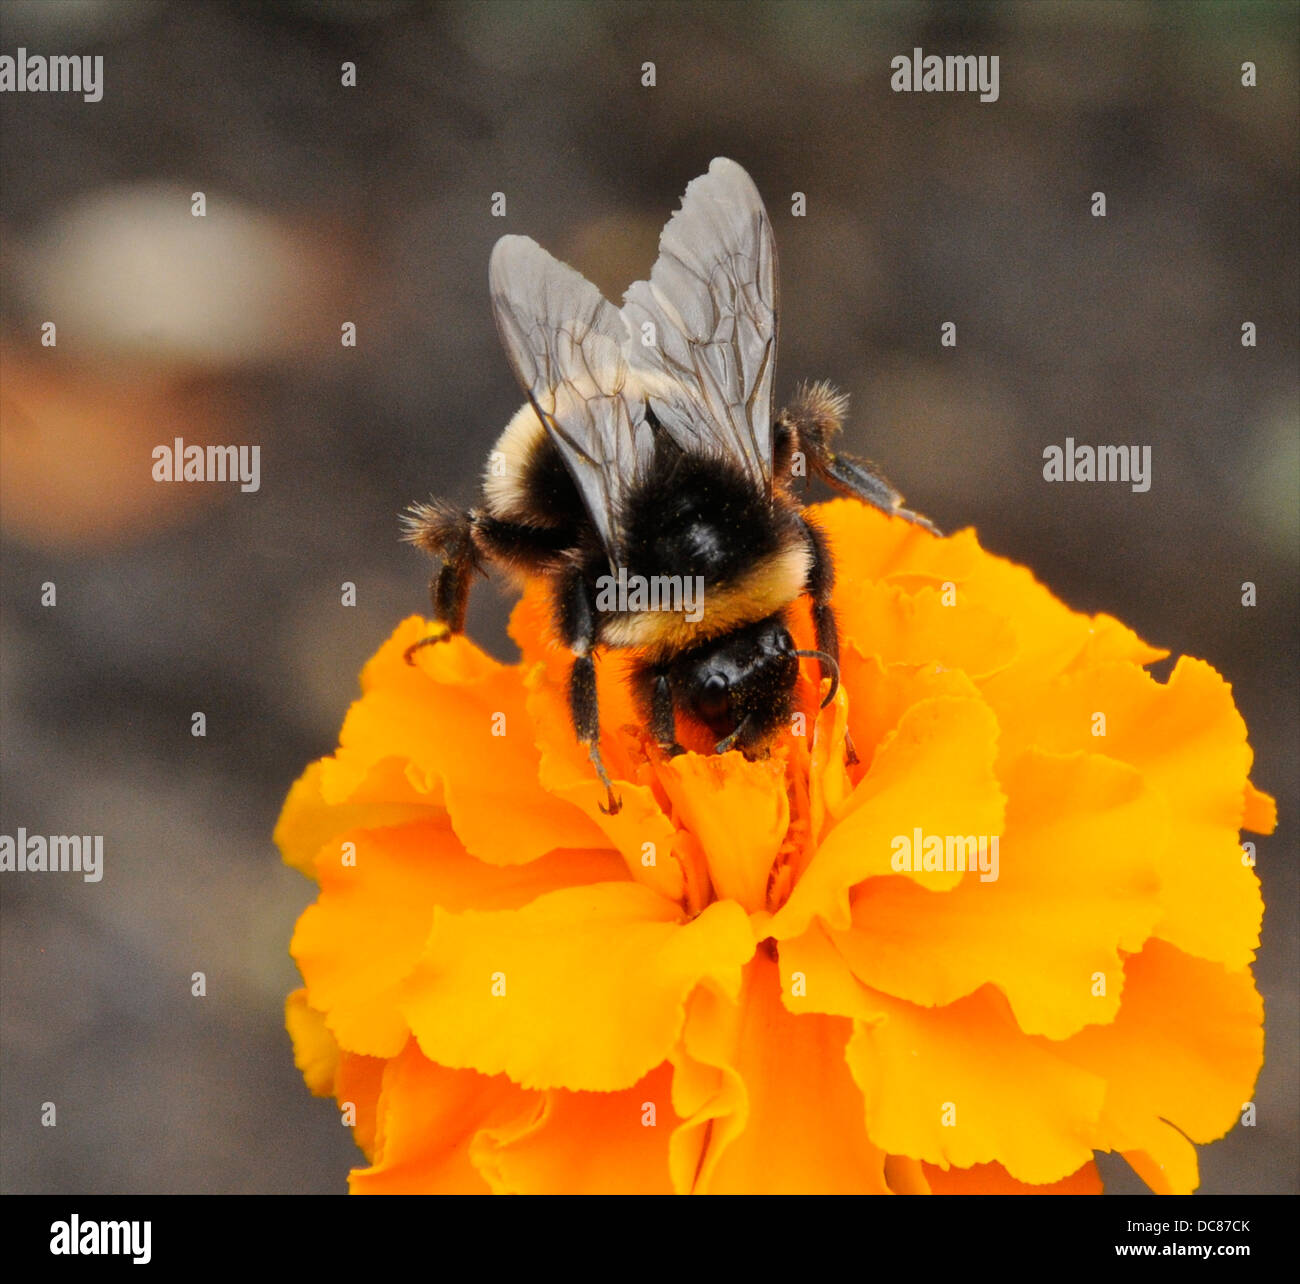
x=460 y=723
x=583 y=988
x=587 y=1143
x=1076 y=883
x=308 y=820
x=1189 y=741
x=963 y=1085
x=456 y=661
x=354 y=1080
x=1110 y=640
x=1048 y=634
x=358 y=1084
x=794 y=1119
x=880 y=694
x=1259 y=811
x=940 y=740
x=829 y=784
x=905 y=1175
x=954 y=1085
x=1162 y=1157
x=869 y=546
x=738 y=811
x=315 y=1051
x=993 y=1179
x=708 y=1092
x=1195 y=1030
x=429 y=1119
x=640 y=830
x=919 y=627
x=367 y=930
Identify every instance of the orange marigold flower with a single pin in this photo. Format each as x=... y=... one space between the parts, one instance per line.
x=765 y=976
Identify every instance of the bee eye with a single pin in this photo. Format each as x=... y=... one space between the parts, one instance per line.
x=712 y=698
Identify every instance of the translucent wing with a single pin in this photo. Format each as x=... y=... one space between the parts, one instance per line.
x=567 y=344
x=712 y=302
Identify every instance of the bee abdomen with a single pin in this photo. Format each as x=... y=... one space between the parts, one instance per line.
x=526 y=481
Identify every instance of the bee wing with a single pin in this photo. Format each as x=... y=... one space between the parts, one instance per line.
x=568 y=346
x=712 y=300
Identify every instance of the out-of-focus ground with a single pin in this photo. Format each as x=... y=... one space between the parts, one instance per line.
x=371 y=204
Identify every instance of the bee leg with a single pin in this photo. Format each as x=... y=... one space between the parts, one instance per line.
x=578 y=625
x=445 y=532
x=728 y=743
x=821 y=580
x=586 y=723
x=857 y=478
x=744 y=738
x=663 y=724
x=810 y=425
x=449 y=591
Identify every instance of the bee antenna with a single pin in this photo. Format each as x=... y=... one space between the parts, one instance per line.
x=827 y=662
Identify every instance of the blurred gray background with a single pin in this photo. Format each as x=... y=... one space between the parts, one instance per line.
x=371 y=204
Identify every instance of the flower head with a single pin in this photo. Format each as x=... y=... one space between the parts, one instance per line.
x=1016 y=931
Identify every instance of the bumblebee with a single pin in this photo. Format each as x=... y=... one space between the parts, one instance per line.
x=647 y=452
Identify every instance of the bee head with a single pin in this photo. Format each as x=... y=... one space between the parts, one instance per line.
x=740 y=683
